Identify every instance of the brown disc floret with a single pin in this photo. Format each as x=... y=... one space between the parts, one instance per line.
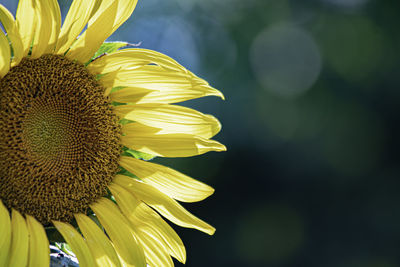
x=59 y=138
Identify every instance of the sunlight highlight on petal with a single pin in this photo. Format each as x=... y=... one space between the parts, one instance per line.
x=46 y=26
x=149 y=140
x=98 y=243
x=10 y=25
x=109 y=16
x=77 y=243
x=5 y=55
x=76 y=19
x=165 y=205
x=27 y=22
x=169 y=181
x=147 y=216
x=173 y=119
x=55 y=16
x=119 y=232
x=167 y=86
x=129 y=204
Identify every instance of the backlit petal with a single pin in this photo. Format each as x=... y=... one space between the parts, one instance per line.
x=77 y=17
x=153 y=249
x=46 y=26
x=19 y=240
x=165 y=95
x=5 y=234
x=173 y=119
x=98 y=31
x=147 y=235
x=165 y=205
x=132 y=58
x=98 y=243
x=170 y=182
x=55 y=15
x=146 y=215
x=110 y=15
x=148 y=140
x=5 y=55
x=39 y=250
x=167 y=86
x=26 y=21
x=77 y=243
x=119 y=232
x=144 y=86
x=10 y=25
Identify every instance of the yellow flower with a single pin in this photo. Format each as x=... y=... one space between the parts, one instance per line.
x=73 y=132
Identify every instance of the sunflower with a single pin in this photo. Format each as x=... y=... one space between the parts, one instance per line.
x=77 y=128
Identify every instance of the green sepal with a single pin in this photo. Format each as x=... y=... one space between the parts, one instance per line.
x=137 y=154
x=125 y=121
x=64 y=247
x=117 y=88
x=108 y=48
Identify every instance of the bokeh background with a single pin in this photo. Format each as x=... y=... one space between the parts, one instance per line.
x=311 y=175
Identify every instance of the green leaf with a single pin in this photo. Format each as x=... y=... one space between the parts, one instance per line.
x=64 y=247
x=125 y=121
x=107 y=48
x=138 y=154
x=67 y=249
x=117 y=88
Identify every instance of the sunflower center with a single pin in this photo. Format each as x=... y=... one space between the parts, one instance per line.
x=59 y=139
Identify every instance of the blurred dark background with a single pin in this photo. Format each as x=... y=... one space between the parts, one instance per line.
x=311 y=175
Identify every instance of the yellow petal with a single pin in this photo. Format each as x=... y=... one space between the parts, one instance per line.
x=155 y=252
x=77 y=17
x=126 y=201
x=154 y=246
x=165 y=95
x=128 y=95
x=168 y=86
x=119 y=232
x=133 y=58
x=39 y=250
x=173 y=119
x=5 y=234
x=55 y=16
x=145 y=219
x=98 y=243
x=125 y=10
x=76 y=242
x=121 y=67
x=5 y=55
x=146 y=215
x=90 y=41
x=165 y=205
x=47 y=27
x=19 y=240
x=26 y=21
x=148 y=140
x=7 y=19
x=110 y=15
x=170 y=182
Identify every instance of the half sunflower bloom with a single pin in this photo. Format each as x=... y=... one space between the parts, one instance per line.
x=75 y=129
